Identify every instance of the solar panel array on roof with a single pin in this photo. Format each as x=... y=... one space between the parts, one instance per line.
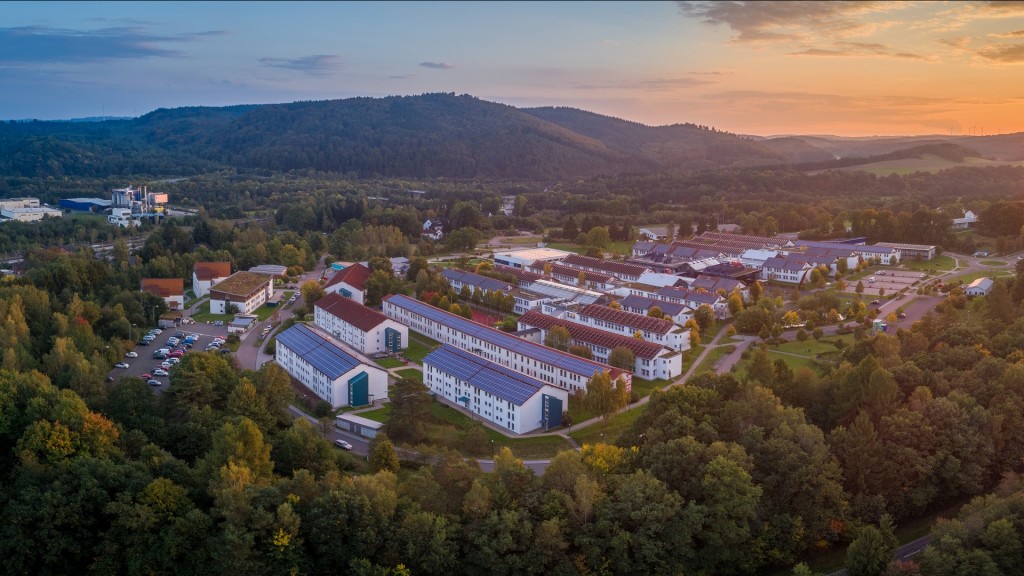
x=318 y=351
x=492 y=378
x=574 y=364
x=630 y=319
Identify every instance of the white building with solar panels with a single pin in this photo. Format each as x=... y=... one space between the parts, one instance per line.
x=548 y=365
x=504 y=397
x=335 y=375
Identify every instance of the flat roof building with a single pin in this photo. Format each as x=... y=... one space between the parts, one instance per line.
x=523 y=257
x=246 y=290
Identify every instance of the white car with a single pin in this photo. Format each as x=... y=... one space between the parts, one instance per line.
x=342 y=444
x=160 y=372
x=174 y=360
x=122 y=365
x=156 y=331
x=132 y=354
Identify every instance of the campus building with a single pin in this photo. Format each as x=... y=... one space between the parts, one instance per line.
x=172 y=290
x=334 y=374
x=663 y=332
x=502 y=396
x=535 y=360
x=362 y=328
x=246 y=290
x=206 y=274
x=651 y=360
x=350 y=282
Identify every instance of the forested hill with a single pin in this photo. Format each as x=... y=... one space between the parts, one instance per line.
x=433 y=135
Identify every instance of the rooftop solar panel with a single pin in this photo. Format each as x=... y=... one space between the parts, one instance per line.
x=574 y=364
x=318 y=351
x=495 y=379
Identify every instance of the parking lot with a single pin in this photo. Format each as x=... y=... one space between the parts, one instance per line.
x=145 y=363
x=890 y=280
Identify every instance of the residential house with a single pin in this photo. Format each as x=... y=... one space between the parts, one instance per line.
x=172 y=290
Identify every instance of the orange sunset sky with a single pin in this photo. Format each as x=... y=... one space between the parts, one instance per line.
x=846 y=68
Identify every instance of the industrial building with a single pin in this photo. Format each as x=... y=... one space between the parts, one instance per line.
x=524 y=257
x=29 y=214
x=502 y=396
x=334 y=374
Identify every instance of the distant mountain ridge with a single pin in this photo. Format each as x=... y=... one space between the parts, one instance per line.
x=427 y=136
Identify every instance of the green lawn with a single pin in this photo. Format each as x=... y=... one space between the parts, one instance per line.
x=971 y=277
x=447 y=418
x=419 y=346
x=607 y=430
x=411 y=373
x=203 y=314
x=943 y=262
x=389 y=362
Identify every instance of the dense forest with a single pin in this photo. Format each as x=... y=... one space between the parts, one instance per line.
x=427 y=136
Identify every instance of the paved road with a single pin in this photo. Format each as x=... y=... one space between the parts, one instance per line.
x=905 y=552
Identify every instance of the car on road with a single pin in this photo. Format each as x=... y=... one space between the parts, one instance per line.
x=160 y=372
x=872 y=279
x=131 y=354
x=875 y=302
x=901 y=315
x=153 y=382
x=342 y=444
x=122 y=365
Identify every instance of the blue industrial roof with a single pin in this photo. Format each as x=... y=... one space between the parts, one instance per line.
x=318 y=351
x=574 y=364
x=495 y=379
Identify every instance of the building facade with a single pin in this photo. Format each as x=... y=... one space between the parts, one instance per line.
x=546 y=364
x=206 y=274
x=246 y=290
x=172 y=290
x=350 y=282
x=334 y=374
x=362 y=328
x=502 y=396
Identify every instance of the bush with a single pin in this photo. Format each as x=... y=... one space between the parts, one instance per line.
x=818 y=333
x=801 y=335
x=322 y=409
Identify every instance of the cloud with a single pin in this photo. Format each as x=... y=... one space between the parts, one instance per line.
x=788 y=20
x=959 y=42
x=1012 y=34
x=1007 y=54
x=859 y=50
x=43 y=45
x=314 y=65
x=437 y=65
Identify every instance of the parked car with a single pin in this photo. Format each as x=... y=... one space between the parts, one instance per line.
x=160 y=372
x=122 y=365
x=166 y=365
x=131 y=354
x=174 y=360
x=218 y=322
x=875 y=302
x=146 y=376
x=901 y=315
x=156 y=331
x=342 y=444
x=149 y=337
x=153 y=382
x=143 y=343
x=179 y=334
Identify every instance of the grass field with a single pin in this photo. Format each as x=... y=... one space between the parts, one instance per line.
x=419 y=346
x=411 y=373
x=971 y=277
x=944 y=263
x=607 y=430
x=449 y=425
x=925 y=163
x=389 y=362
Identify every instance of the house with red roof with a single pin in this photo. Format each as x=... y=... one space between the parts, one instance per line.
x=172 y=290
x=206 y=274
x=350 y=282
x=361 y=327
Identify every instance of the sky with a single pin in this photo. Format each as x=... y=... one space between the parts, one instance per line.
x=765 y=68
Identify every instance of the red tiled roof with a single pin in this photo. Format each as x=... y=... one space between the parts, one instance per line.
x=355 y=276
x=590 y=335
x=609 y=266
x=164 y=287
x=638 y=321
x=211 y=270
x=350 y=311
x=572 y=272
